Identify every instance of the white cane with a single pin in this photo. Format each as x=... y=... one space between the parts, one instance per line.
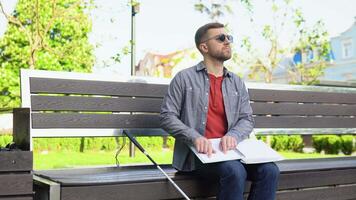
x=133 y=140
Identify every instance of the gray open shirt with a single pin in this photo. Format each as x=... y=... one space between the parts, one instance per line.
x=185 y=107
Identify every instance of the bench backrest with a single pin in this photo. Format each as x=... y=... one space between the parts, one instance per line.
x=67 y=104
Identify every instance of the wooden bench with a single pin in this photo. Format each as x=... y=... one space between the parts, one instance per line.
x=62 y=104
x=16 y=175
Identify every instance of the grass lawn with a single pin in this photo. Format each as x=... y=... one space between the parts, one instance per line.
x=69 y=159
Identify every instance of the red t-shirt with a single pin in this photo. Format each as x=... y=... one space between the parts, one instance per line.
x=216 y=125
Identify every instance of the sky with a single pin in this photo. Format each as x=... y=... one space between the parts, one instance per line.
x=164 y=26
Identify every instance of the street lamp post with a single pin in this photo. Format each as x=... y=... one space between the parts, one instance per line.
x=135 y=7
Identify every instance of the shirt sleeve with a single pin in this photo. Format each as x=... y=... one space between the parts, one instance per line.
x=245 y=123
x=170 y=113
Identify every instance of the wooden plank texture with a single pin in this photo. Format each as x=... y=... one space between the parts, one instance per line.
x=27 y=197
x=65 y=86
x=72 y=103
x=147 y=191
x=304 y=122
x=316 y=178
x=347 y=192
x=261 y=108
x=301 y=96
x=16 y=184
x=71 y=120
x=13 y=161
x=74 y=120
x=21 y=128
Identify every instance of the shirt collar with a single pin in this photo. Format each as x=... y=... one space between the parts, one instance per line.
x=200 y=66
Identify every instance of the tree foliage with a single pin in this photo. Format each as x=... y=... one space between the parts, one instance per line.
x=43 y=35
x=218 y=8
x=263 y=62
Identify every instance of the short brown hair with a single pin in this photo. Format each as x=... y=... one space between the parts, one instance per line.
x=201 y=32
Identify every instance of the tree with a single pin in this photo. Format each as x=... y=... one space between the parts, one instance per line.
x=43 y=35
x=304 y=40
x=263 y=62
x=313 y=45
x=217 y=9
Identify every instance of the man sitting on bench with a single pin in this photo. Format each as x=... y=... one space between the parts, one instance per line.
x=208 y=101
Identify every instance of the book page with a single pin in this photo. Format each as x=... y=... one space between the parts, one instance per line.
x=219 y=155
x=256 y=151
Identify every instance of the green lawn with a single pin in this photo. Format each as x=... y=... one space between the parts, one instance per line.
x=69 y=159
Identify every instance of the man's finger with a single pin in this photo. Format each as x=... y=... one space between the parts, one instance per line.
x=235 y=143
x=228 y=143
x=198 y=145
x=210 y=149
x=206 y=146
x=223 y=144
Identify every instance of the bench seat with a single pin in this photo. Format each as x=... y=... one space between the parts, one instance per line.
x=300 y=179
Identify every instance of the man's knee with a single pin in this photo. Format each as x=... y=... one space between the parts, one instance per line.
x=233 y=169
x=270 y=170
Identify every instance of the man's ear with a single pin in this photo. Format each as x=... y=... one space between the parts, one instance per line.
x=203 y=48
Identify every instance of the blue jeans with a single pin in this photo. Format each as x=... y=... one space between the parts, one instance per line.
x=232 y=176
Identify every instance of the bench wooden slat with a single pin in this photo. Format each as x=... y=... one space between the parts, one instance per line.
x=17 y=198
x=304 y=122
x=149 y=191
x=76 y=120
x=302 y=96
x=67 y=86
x=15 y=184
x=128 y=104
x=315 y=178
x=260 y=108
x=73 y=103
x=347 y=192
x=14 y=161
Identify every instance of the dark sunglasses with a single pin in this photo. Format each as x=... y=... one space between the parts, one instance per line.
x=221 y=38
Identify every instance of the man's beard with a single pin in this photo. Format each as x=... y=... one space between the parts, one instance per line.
x=221 y=56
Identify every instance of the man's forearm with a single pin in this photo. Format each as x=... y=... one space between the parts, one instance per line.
x=178 y=129
x=243 y=129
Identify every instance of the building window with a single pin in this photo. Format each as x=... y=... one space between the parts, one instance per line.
x=347 y=49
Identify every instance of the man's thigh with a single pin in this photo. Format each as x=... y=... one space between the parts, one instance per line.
x=257 y=172
x=222 y=169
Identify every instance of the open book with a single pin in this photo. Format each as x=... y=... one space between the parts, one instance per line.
x=249 y=151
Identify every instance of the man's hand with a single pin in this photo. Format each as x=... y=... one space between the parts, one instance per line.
x=203 y=145
x=228 y=143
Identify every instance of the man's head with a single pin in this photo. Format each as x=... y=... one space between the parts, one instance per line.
x=212 y=40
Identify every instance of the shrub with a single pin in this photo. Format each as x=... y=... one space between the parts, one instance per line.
x=261 y=137
x=280 y=142
x=332 y=144
x=295 y=143
x=318 y=142
x=347 y=144
x=5 y=139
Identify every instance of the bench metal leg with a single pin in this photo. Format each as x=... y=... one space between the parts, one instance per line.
x=46 y=189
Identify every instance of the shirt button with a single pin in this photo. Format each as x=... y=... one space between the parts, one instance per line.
x=203 y=122
x=207 y=94
x=207 y=79
x=205 y=107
